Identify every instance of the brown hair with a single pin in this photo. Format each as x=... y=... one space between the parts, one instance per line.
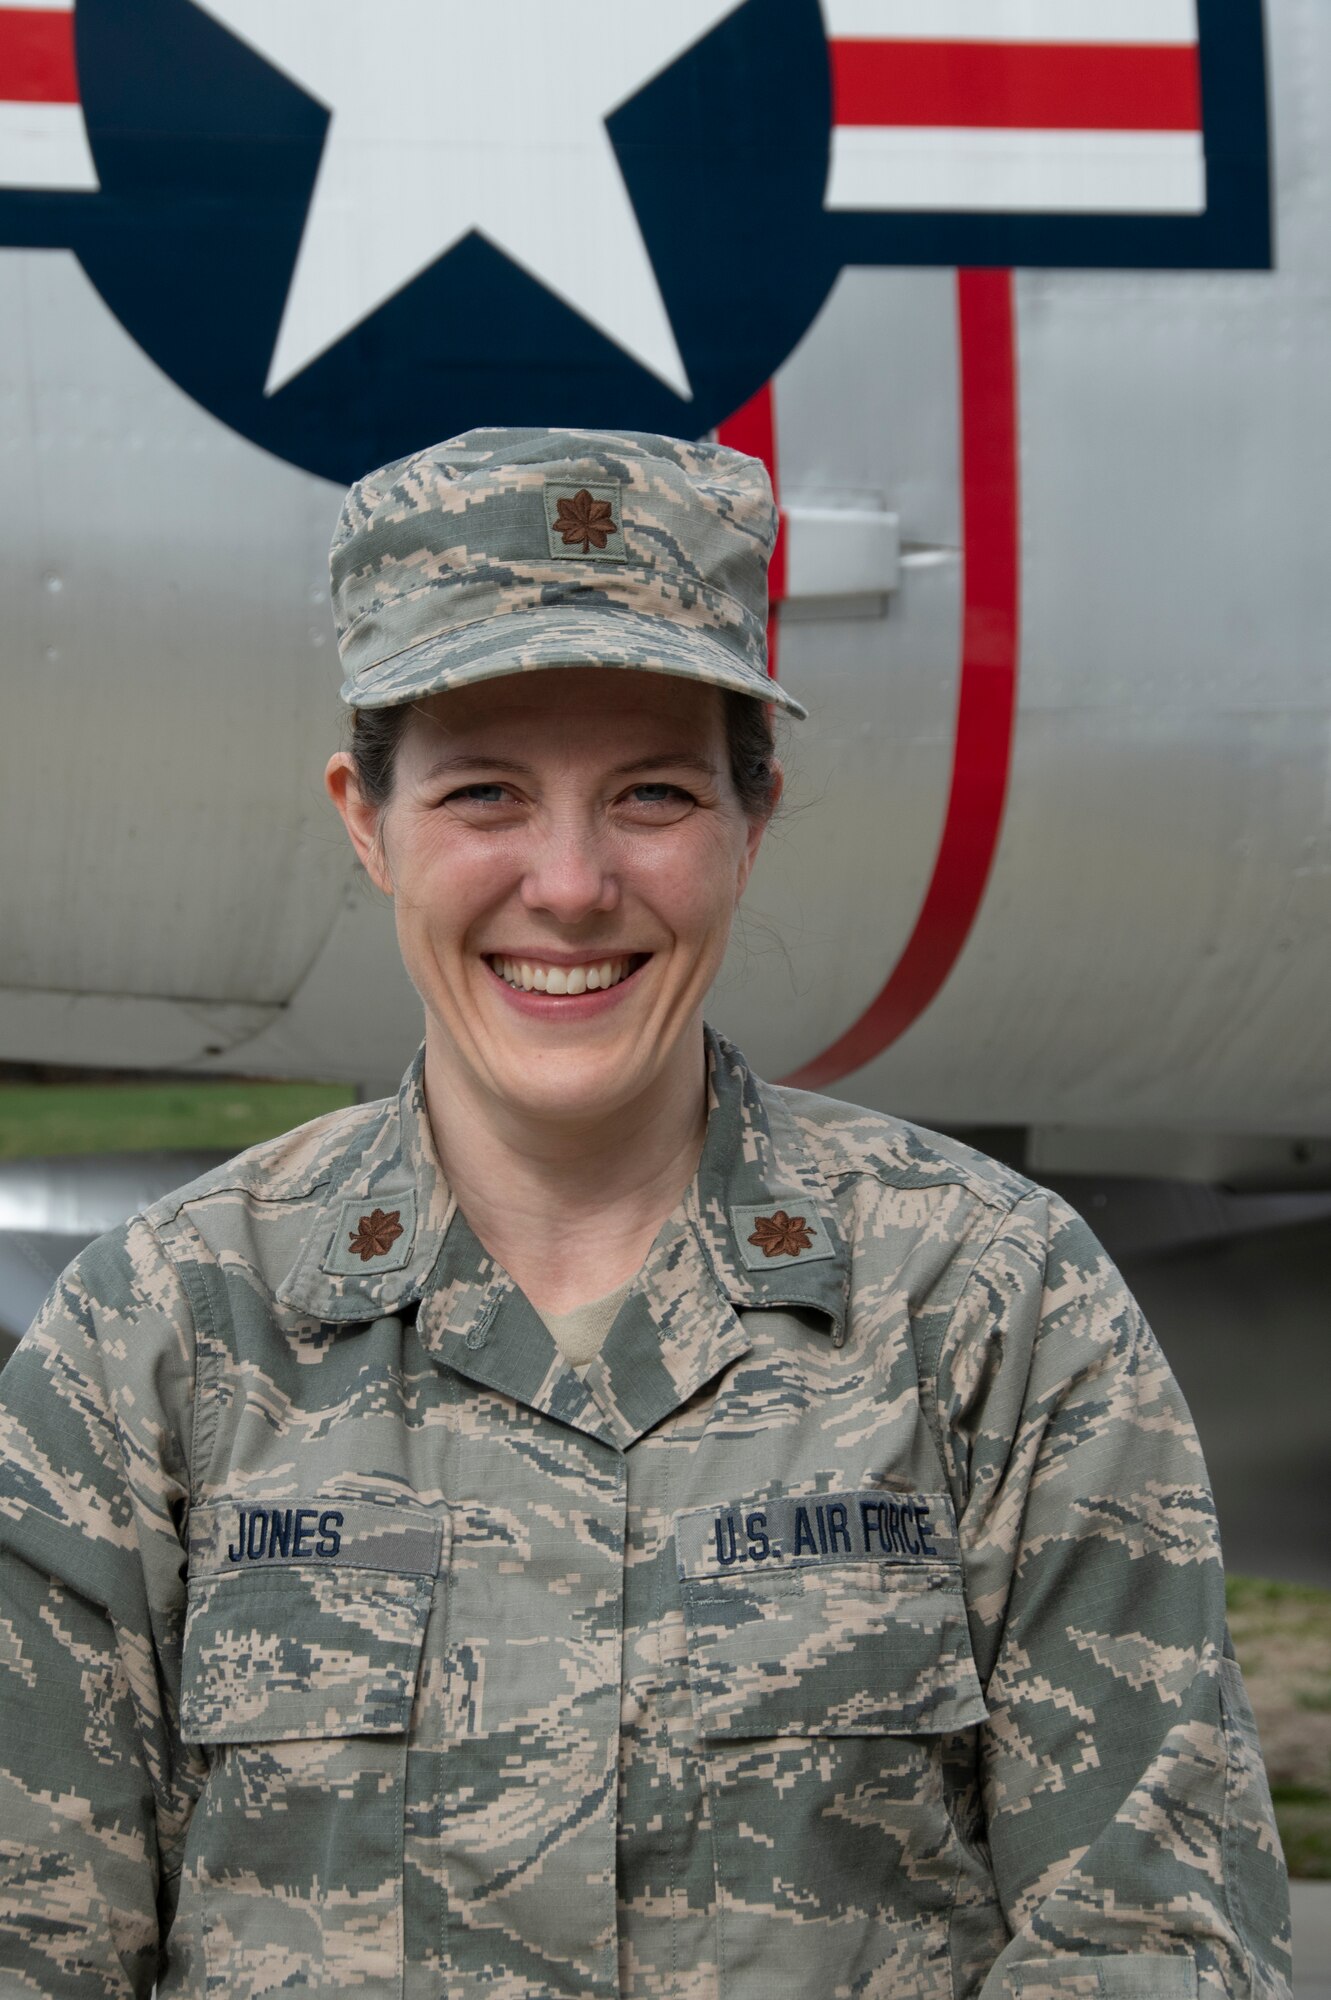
x=377 y=732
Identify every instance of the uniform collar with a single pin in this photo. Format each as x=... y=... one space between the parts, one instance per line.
x=757 y=1228
x=761 y=1205
x=385 y=1213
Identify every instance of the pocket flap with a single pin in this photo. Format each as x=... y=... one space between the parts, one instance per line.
x=1136 y=1975
x=311 y=1646
x=857 y=1640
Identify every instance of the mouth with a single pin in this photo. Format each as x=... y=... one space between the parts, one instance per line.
x=534 y=975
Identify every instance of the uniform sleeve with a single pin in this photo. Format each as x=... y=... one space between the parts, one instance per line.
x=94 y=1794
x=1122 y=1791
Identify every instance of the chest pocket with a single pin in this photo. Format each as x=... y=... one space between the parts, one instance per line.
x=832 y=1681
x=303 y=1646
x=827 y=1615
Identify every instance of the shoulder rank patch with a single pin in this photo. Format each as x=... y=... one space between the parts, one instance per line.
x=795 y=1531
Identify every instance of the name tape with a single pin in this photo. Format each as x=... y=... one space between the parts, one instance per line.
x=814 y=1530
x=249 y=1535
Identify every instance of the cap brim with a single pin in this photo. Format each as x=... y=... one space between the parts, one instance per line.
x=529 y=641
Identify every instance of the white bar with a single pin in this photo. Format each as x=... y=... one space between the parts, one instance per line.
x=1133 y=21
x=41 y=7
x=956 y=170
x=841 y=552
x=45 y=147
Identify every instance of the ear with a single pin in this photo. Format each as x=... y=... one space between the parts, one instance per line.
x=362 y=820
x=755 y=829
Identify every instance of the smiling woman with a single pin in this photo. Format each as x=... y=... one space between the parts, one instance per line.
x=565 y=850
x=598 y=1524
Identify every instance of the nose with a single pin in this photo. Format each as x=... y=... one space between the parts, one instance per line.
x=569 y=874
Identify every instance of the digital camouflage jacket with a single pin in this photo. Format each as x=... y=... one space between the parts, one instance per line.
x=852 y=1626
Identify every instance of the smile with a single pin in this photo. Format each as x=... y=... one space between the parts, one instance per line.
x=531 y=975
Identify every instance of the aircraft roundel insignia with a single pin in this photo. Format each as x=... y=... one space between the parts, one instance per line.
x=348 y=227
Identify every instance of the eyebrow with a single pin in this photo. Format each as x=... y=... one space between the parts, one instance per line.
x=462 y=760
x=685 y=760
x=680 y=760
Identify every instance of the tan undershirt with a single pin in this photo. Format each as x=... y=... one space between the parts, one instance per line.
x=579 y=1335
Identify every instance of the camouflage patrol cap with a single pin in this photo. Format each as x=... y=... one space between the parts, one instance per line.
x=504 y=551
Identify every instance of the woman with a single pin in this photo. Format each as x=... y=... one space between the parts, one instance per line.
x=598 y=1524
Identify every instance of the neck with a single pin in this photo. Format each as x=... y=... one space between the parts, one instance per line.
x=569 y=1209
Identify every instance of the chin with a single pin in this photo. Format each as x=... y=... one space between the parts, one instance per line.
x=557 y=1091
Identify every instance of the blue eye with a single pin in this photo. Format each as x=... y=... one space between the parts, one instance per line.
x=486 y=795
x=658 y=795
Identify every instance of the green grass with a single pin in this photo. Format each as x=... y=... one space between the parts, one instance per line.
x=1246 y=1593
x=1305 y=1835
x=1282 y=1635
x=217 y=1115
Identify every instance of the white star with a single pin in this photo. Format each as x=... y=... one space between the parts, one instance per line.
x=449 y=116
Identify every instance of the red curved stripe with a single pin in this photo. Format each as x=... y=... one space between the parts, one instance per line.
x=987 y=696
x=753 y=429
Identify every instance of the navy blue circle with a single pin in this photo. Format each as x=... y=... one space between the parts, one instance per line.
x=207 y=156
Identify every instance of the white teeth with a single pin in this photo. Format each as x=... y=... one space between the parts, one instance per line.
x=527 y=977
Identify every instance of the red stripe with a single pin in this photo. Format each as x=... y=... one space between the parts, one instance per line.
x=987 y=698
x=753 y=429
x=37 y=57
x=1035 y=85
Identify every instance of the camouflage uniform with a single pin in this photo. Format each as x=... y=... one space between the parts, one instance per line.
x=852 y=1626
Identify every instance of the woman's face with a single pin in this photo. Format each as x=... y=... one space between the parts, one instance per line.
x=565 y=852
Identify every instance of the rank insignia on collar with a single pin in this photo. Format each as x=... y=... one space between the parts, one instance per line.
x=785 y=1229
x=781 y=1235
x=372 y=1236
x=375 y=1234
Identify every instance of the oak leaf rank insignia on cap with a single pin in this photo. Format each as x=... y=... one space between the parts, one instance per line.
x=583 y=520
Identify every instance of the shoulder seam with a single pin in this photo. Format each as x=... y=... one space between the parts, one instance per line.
x=234 y=1186
x=194 y=1300
x=933 y=1358
x=979 y=1258
x=989 y=1196
x=1005 y=1190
